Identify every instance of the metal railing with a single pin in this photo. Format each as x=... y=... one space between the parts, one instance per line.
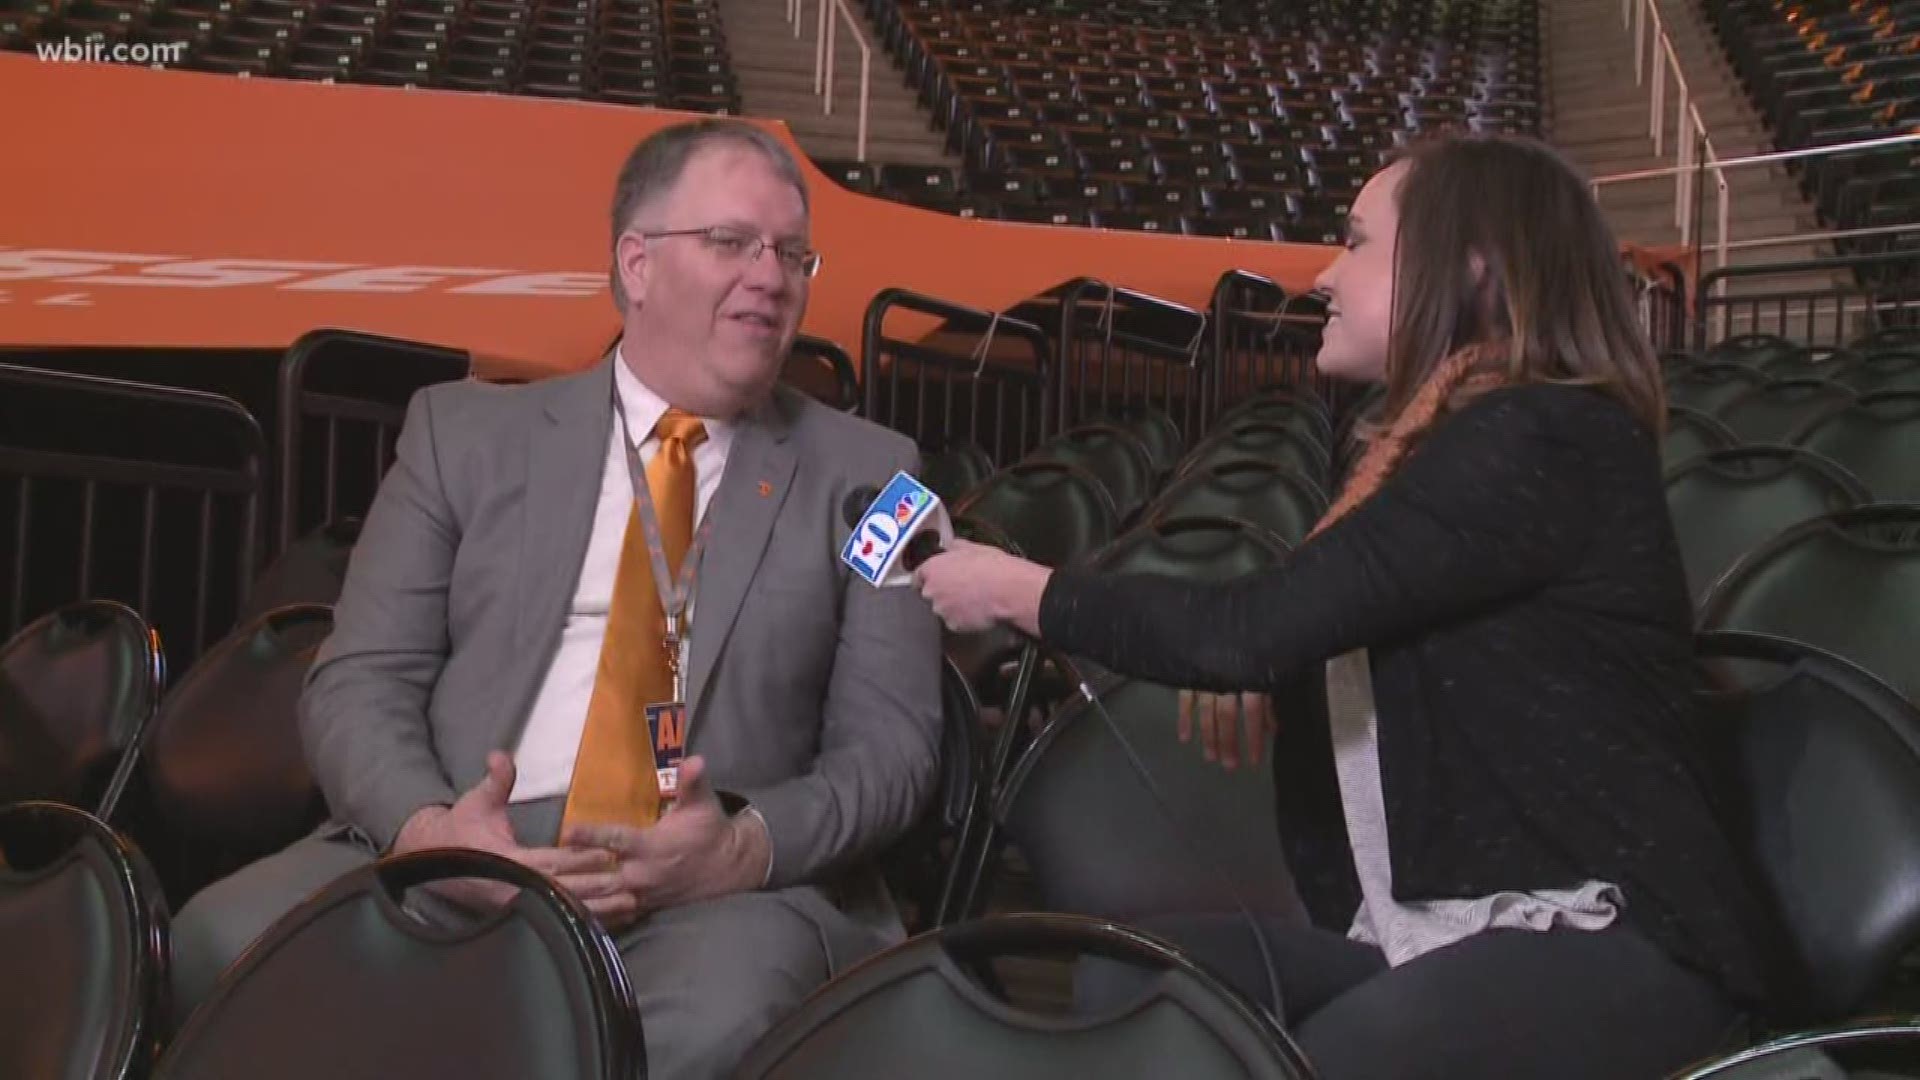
x=825 y=42
x=1263 y=336
x=149 y=495
x=979 y=378
x=343 y=396
x=1883 y=294
x=1121 y=350
x=1655 y=57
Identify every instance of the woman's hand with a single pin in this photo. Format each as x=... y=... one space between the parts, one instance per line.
x=973 y=587
x=1221 y=718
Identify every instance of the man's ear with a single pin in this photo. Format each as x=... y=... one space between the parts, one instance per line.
x=630 y=258
x=1477 y=266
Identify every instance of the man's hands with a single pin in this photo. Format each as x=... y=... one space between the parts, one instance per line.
x=479 y=820
x=695 y=852
x=1220 y=718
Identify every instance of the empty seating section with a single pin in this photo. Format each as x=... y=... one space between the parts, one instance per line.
x=668 y=53
x=1248 y=120
x=1825 y=72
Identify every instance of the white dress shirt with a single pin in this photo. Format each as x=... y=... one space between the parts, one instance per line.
x=543 y=761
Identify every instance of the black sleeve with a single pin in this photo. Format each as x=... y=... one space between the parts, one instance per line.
x=1495 y=503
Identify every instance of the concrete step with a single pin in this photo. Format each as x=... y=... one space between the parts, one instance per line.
x=776 y=75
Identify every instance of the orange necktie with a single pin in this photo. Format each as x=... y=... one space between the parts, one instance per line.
x=613 y=774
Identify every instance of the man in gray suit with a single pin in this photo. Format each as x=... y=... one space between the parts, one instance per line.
x=448 y=707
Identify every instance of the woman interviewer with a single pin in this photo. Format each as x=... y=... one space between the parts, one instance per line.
x=1543 y=887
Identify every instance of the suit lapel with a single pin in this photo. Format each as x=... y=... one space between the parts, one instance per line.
x=566 y=457
x=752 y=490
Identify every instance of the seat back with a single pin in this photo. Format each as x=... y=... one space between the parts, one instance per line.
x=1259 y=440
x=77 y=689
x=1728 y=502
x=310 y=570
x=1827 y=760
x=1708 y=386
x=1193 y=548
x=1883 y=371
x=919 y=865
x=1847 y=582
x=1278 y=406
x=1157 y=432
x=1113 y=454
x=1773 y=412
x=84 y=932
x=955 y=471
x=1055 y=511
x=1691 y=433
x=916 y=1010
x=823 y=371
x=1755 y=350
x=1877 y=438
x=1077 y=785
x=351 y=983
x=1257 y=492
x=224 y=763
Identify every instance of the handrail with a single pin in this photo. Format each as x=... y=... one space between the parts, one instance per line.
x=826 y=31
x=866 y=70
x=1833 y=150
x=1692 y=145
x=1823 y=234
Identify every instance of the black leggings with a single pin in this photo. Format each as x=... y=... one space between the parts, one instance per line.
x=1506 y=1004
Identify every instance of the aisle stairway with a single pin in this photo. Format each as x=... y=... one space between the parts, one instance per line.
x=776 y=72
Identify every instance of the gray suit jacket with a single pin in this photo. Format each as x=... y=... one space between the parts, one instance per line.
x=812 y=695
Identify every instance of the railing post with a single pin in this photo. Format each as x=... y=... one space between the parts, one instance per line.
x=1720 y=257
x=1640 y=41
x=820 y=49
x=833 y=28
x=1657 y=129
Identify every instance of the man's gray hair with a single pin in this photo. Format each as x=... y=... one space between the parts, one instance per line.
x=655 y=165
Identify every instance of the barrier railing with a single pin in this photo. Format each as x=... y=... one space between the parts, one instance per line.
x=979 y=377
x=343 y=396
x=1818 y=318
x=117 y=490
x=1119 y=350
x=1264 y=336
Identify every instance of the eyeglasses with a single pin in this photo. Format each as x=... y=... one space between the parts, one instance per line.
x=739 y=245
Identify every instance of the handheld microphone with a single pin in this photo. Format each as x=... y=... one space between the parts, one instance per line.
x=895 y=529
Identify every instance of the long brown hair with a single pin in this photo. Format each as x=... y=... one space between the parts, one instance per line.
x=1505 y=273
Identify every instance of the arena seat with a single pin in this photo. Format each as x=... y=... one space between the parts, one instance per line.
x=224 y=767
x=1115 y=456
x=1826 y=762
x=1262 y=493
x=1846 y=582
x=1055 y=511
x=333 y=988
x=1710 y=386
x=1725 y=503
x=922 y=1009
x=1259 y=440
x=78 y=690
x=1877 y=438
x=1170 y=100
x=1882 y=370
x=84 y=929
x=1771 y=412
x=1691 y=433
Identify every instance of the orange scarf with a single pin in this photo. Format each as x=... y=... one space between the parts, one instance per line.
x=1471 y=368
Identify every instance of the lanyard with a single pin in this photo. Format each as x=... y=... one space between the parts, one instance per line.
x=674 y=594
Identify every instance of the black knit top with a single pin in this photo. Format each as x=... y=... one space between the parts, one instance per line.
x=1519 y=586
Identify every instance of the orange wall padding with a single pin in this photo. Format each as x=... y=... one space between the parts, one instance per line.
x=174 y=208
